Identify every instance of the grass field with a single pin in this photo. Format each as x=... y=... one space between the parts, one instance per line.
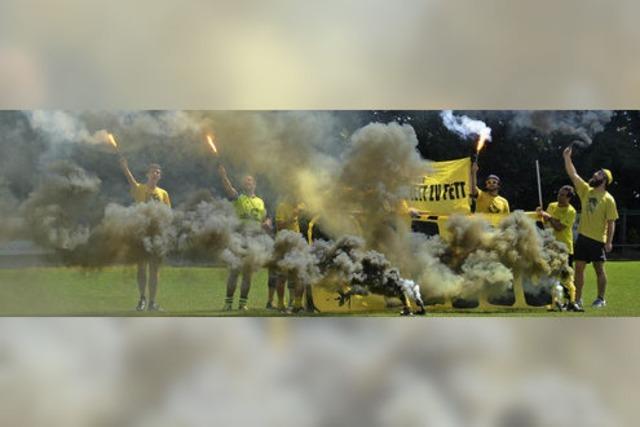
x=198 y=291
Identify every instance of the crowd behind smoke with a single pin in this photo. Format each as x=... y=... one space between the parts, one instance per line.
x=352 y=174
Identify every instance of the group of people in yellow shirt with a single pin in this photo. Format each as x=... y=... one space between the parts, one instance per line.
x=595 y=229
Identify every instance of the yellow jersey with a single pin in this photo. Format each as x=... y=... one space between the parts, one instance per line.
x=567 y=216
x=142 y=194
x=598 y=207
x=287 y=217
x=250 y=208
x=488 y=203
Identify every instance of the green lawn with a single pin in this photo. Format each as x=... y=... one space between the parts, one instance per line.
x=198 y=291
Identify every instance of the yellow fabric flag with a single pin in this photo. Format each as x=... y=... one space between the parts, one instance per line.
x=444 y=191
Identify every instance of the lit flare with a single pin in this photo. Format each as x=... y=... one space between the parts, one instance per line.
x=481 y=141
x=112 y=140
x=212 y=145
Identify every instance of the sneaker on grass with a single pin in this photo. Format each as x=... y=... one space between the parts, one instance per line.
x=575 y=307
x=599 y=303
x=153 y=306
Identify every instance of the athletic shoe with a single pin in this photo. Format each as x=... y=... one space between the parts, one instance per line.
x=557 y=306
x=142 y=304
x=227 y=307
x=243 y=307
x=154 y=307
x=599 y=303
x=421 y=311
x=295 y=310
x=270 y=306
x=575 y=307
x=406 y=311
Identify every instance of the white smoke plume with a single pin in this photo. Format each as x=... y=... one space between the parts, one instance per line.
x=79 y=127
x=249 y=247
x=464 y=126
x=206 y=229
x=61 y=126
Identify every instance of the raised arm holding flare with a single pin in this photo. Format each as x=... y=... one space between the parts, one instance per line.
x=232 y=193
x=250 y=209
x=488 y=201
x=143 y=193
x=124 y=165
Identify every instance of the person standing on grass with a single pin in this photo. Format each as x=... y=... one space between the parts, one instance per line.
x=560 y=216
x=249 y=208
x=144 y=193
x=596 y=228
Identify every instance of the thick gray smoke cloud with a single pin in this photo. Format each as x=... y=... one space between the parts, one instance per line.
x=355 y=184
x=475 y=259
x=293 y=256
x=206 y=229
x=579 y=124
x=138 y=231
x=376 y=172
x=349 y=269
x=57 y=212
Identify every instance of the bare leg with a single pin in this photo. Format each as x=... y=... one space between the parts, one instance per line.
x=579 y=279
x=142 y=278
x=271 y=285
x=602 y=278
x=154 y=267
x=246 y=283
x=280 y=284
x=232 y=282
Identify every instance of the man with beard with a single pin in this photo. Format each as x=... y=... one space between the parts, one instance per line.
x=488 y=201
x=144 y=193
x=596 y=228
x=251 y=211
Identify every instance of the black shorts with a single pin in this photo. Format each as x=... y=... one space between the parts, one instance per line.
x=571 y=260
x=588 y=250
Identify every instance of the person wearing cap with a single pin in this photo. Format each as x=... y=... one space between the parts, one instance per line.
x=596 y=227
x=488 y=201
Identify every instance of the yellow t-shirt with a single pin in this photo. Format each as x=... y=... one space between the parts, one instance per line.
x=287 y=214
x=250 y=208
x=567 y=216
x=598 y=207
x=142 y=194
x=488 y=203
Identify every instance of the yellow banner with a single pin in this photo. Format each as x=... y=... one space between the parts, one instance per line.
x=445 y=191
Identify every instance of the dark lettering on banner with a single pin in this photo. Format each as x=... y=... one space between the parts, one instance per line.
x=437 y=192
